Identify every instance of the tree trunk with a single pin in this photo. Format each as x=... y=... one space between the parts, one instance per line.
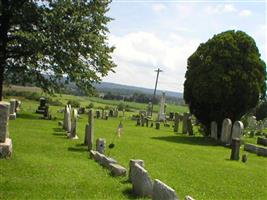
x=4 y=26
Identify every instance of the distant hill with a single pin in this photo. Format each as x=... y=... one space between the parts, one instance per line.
x=128 y=90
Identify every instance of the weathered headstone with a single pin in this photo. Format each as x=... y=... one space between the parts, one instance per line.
x=141 y=182
x=189 y=126
x=18 y=104
x=146 y=121
x=171 y=115
x=100 y=145
x=103 y=114
x=89 y=130
x=138 y=121
x=226 y=131
x=131 y=165
x=111 y=113
x=237 y=131
x=157 y=125
x=176 y=122
x=74 y=120
x=262 y=141
x=97 y=114
x=117 y=170
x=161 y=191
x=213 y=130
x=235 y=146
x=12 y=110
x=142 y=120
x=161 y=115
x=149 y=109
x=5 y=141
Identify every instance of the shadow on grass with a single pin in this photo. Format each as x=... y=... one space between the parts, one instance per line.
x=59 y=130
x=81 y=145
x=29 y=116
x=129 y=194
x=202 y=141
x=74 y=149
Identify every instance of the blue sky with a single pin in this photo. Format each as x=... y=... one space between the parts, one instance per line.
x=151 y=34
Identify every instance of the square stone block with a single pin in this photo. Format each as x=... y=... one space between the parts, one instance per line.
x=6 y=148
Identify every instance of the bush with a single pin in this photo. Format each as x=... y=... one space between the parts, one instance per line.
x=74 y=103
x=91 y=105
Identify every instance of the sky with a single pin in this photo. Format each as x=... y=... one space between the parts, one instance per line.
x=151 y=34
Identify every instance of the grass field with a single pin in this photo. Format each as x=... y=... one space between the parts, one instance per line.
x=47 y=165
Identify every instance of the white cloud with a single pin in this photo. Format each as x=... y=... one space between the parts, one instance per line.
x=138 y=54
x=158 y=7
x=220 y=9
x=245 y=13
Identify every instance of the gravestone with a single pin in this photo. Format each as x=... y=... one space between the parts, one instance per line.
x=189 y=126
x=123 y=112
x=100 y=145
x=171 y=115
x=157 y=125
x=103 y=114
x=235 y=146
x=213 y=129
x=65 y=118
x=226 y=131
x=141 y=182
x=117 y=170
x=5 y=141
x=74 y=119
x=81 y=110
x=89 y=130
x=41 y=107
x=161 y=115
x=262 y=141
x=111 y=113
x=237 y=131
x=131 y=165
x=138 y=122
x=17 y=107
x=116 y=113
x=142 y=120
x=161 y=191
x=46 y=112
x=146 y=121
x=12 y=110
x=185 y=123
x=68 y=120
x=149 y=109
x=97 y=114
x=176 y=122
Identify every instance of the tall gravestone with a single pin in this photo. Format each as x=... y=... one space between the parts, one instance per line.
x=176 y=122
x=237 y=131
x=162 y=116
x=213 y=130
x=41 y=107
x=12 y=110
x=149 y=109
x=226 y=131
x=64 y=126
x=68 y=119
x=5 y=141
x=185 y=116
x=89 y=130
x=74 y=120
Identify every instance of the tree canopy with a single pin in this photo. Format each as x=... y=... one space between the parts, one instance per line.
x=225 y=78
x=44 y=41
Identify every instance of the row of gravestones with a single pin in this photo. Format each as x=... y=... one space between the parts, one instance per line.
x=105 y=114
x=228 y=132
x=142 y=185
x=185 y=120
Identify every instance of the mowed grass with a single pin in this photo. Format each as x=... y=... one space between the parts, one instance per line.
x=47 y=165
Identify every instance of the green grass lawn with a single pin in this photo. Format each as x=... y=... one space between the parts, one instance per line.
x=47 y=165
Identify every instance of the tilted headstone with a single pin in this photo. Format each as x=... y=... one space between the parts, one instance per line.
x=235 y=146
x=161 y=191
x=12 y=110
x=141 y=182
x=131 y=165
x=89 y=130
x=117 y=170
x=213 y=130
x=74 y=120
x=176 y=122
x=226 y=131
x=4 y=116
x=100 y=145
x=237 y=131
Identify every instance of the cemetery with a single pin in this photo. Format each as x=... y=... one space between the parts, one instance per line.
x=173 y=162
x=79 y=118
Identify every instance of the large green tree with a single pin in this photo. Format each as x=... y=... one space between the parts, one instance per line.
x=43 y=41
x=225 y=78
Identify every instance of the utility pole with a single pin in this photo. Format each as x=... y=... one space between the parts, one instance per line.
x=158 y=71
